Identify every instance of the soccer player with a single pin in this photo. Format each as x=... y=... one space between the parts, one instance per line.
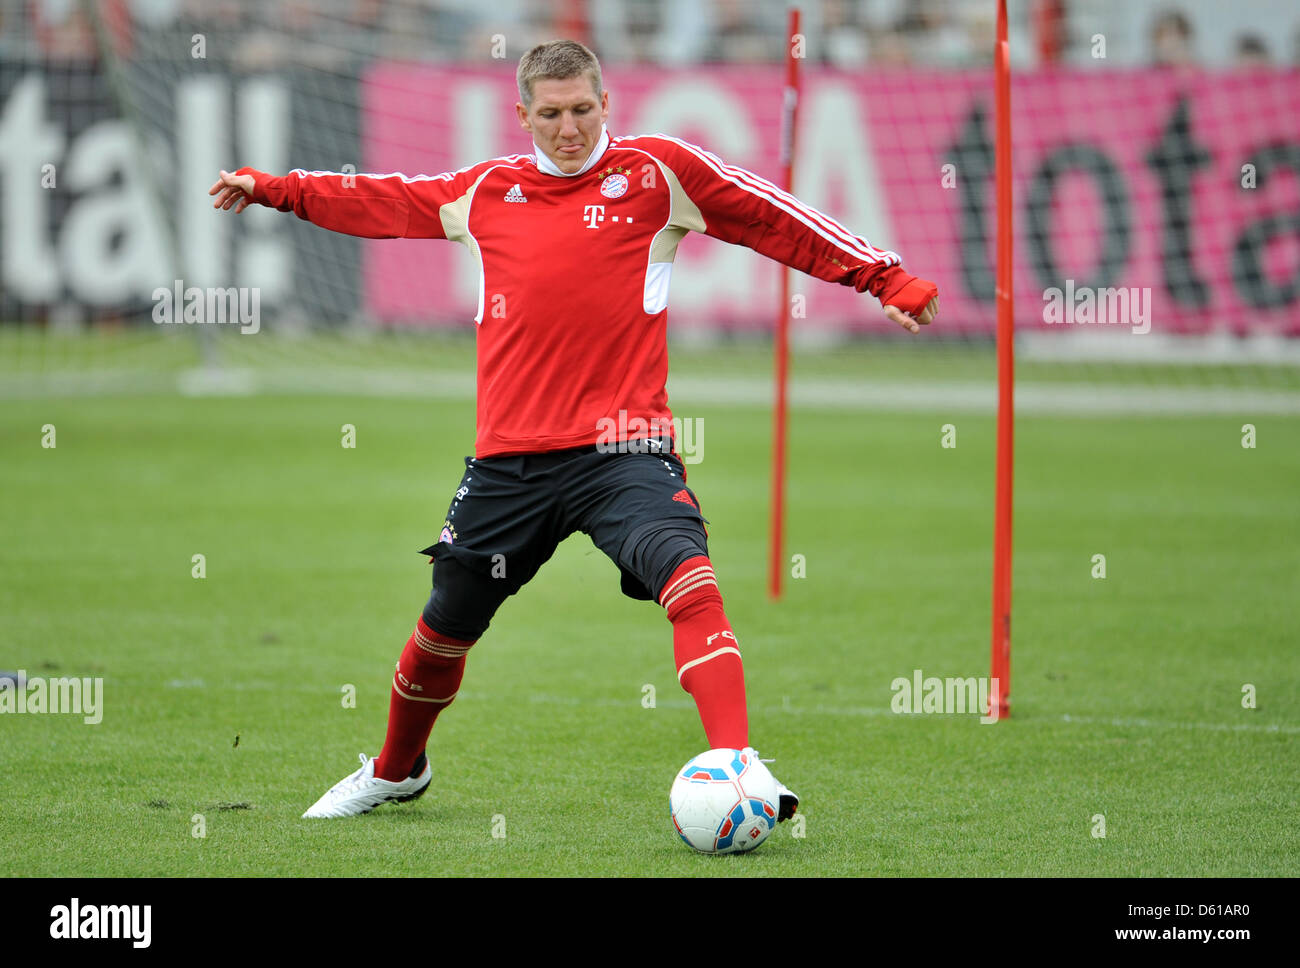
x=574 y=247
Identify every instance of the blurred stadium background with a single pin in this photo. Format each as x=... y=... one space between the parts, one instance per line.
x=1133 y=127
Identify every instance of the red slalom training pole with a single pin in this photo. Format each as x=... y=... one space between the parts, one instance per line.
x=1000 y=691
x=781 y=363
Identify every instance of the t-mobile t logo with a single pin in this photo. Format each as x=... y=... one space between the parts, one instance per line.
x=593 y=214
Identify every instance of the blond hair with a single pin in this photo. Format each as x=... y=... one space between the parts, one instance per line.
x=556 y=60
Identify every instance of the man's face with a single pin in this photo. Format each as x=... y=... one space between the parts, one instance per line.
x=565 y=120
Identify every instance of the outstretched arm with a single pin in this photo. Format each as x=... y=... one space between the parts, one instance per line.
x=738 y=206
x=371 y=206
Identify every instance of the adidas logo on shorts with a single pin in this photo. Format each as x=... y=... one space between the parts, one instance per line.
x=685 y=497
x=516 y=194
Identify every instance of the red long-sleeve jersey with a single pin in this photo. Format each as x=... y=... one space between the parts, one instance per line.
x=574 y=270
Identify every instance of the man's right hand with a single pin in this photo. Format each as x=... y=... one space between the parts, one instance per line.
x=231 y=188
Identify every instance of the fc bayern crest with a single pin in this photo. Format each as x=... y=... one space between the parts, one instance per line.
x=615 y=186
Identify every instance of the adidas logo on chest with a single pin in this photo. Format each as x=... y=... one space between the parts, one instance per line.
x=516 y=194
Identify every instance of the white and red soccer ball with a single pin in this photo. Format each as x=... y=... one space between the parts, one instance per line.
x=724 y=801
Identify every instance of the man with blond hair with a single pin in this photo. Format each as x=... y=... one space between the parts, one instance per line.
x=574 y=245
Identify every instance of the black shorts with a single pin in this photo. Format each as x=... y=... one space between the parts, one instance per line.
x=510 y=513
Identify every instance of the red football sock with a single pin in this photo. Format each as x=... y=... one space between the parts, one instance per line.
x=707 y=653
x=427 y=679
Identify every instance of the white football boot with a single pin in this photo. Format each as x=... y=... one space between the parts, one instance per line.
x=789 y=804
x=363 y=791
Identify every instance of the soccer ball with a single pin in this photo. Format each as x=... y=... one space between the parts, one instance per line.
x=724 y=801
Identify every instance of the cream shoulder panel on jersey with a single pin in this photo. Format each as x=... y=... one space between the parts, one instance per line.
x=455 y=225
x=683 y=216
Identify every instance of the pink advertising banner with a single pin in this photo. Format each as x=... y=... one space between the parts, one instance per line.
x=1146 y=200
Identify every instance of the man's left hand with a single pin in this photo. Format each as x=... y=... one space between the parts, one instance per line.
x=914 y=323
x=913 y=305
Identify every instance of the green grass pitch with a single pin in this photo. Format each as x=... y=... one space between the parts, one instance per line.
x=1127 y=690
